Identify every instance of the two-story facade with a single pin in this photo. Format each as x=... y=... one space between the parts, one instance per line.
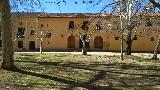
x=62 y=32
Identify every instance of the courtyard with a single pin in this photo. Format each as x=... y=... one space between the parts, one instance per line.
x=101 y=71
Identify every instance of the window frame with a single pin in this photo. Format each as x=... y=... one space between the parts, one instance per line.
x=20 y=44
x=20 y=32
x=85 y=25
x=71 y=25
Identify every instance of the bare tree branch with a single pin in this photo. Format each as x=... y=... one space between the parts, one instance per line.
x=156 y=4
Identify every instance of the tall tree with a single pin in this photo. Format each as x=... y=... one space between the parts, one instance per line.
x=7 y=41
x=156 y=4
x=131 y=11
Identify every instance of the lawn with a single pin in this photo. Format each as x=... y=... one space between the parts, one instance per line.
x=78 y=72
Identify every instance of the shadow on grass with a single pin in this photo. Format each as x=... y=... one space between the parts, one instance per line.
x=102 y=73
x=71 y=83
x=122 y=66
x=68 y=64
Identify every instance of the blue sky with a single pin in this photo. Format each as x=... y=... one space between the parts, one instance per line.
x=71 y=6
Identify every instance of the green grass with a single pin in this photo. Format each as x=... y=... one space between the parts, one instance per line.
x=78 y=72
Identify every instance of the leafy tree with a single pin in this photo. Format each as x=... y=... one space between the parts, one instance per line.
x=156 y=4
x=7 y=43
x=131 y=14
x=7 y=37
x=132 y=9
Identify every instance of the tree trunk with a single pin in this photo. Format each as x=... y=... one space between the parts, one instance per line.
x=122 y=46
x=84 y=51
x=7 y=41
x=40 y=40
x=40 y=48
x=156 y=49
x=156 y=4
x=129 y=44
x=122 y=31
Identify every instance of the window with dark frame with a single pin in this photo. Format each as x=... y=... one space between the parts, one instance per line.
x=148 y=22
x=135 y=38
x=71 y=25
x=98 y=26
x=21 y=23
x=48 y=42
x=20 y=33
x=152 y=39
x=116 y=38
x=32 y=32
x=85 y=25
x=20 y=44
x=115 y=25
x=47 y=35
x=42 y=25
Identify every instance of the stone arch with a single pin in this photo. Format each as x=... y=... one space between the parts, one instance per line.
x=98 y=42
x=71 y=41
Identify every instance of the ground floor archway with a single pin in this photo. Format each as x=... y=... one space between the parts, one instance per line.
x=98 y=42
x=71 y=42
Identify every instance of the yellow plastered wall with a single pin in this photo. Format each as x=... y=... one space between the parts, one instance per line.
x=58 y=27
x=29 y=23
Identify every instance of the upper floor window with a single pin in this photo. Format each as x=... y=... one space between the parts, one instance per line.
x=98 y=26
x=135 y=38
x=71 y=25
x=47 y=25
x=116 y=38
x=21 y=23
x=47 y=35
x=32 y=32
x=148 y=22
x=157 y=23
x=114 y=26
x=20 y=33
x=42 y=25
x=85 y=25
x=152 y=39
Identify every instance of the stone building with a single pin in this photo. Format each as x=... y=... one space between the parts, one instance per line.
x=61 y=32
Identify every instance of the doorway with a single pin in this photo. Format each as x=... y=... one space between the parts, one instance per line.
x=71 y=42
x=98 y=42
x=32 y=45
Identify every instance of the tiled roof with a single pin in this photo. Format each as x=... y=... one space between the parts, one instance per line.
x=26 y=13
x=52 y=15
x=66 y=15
